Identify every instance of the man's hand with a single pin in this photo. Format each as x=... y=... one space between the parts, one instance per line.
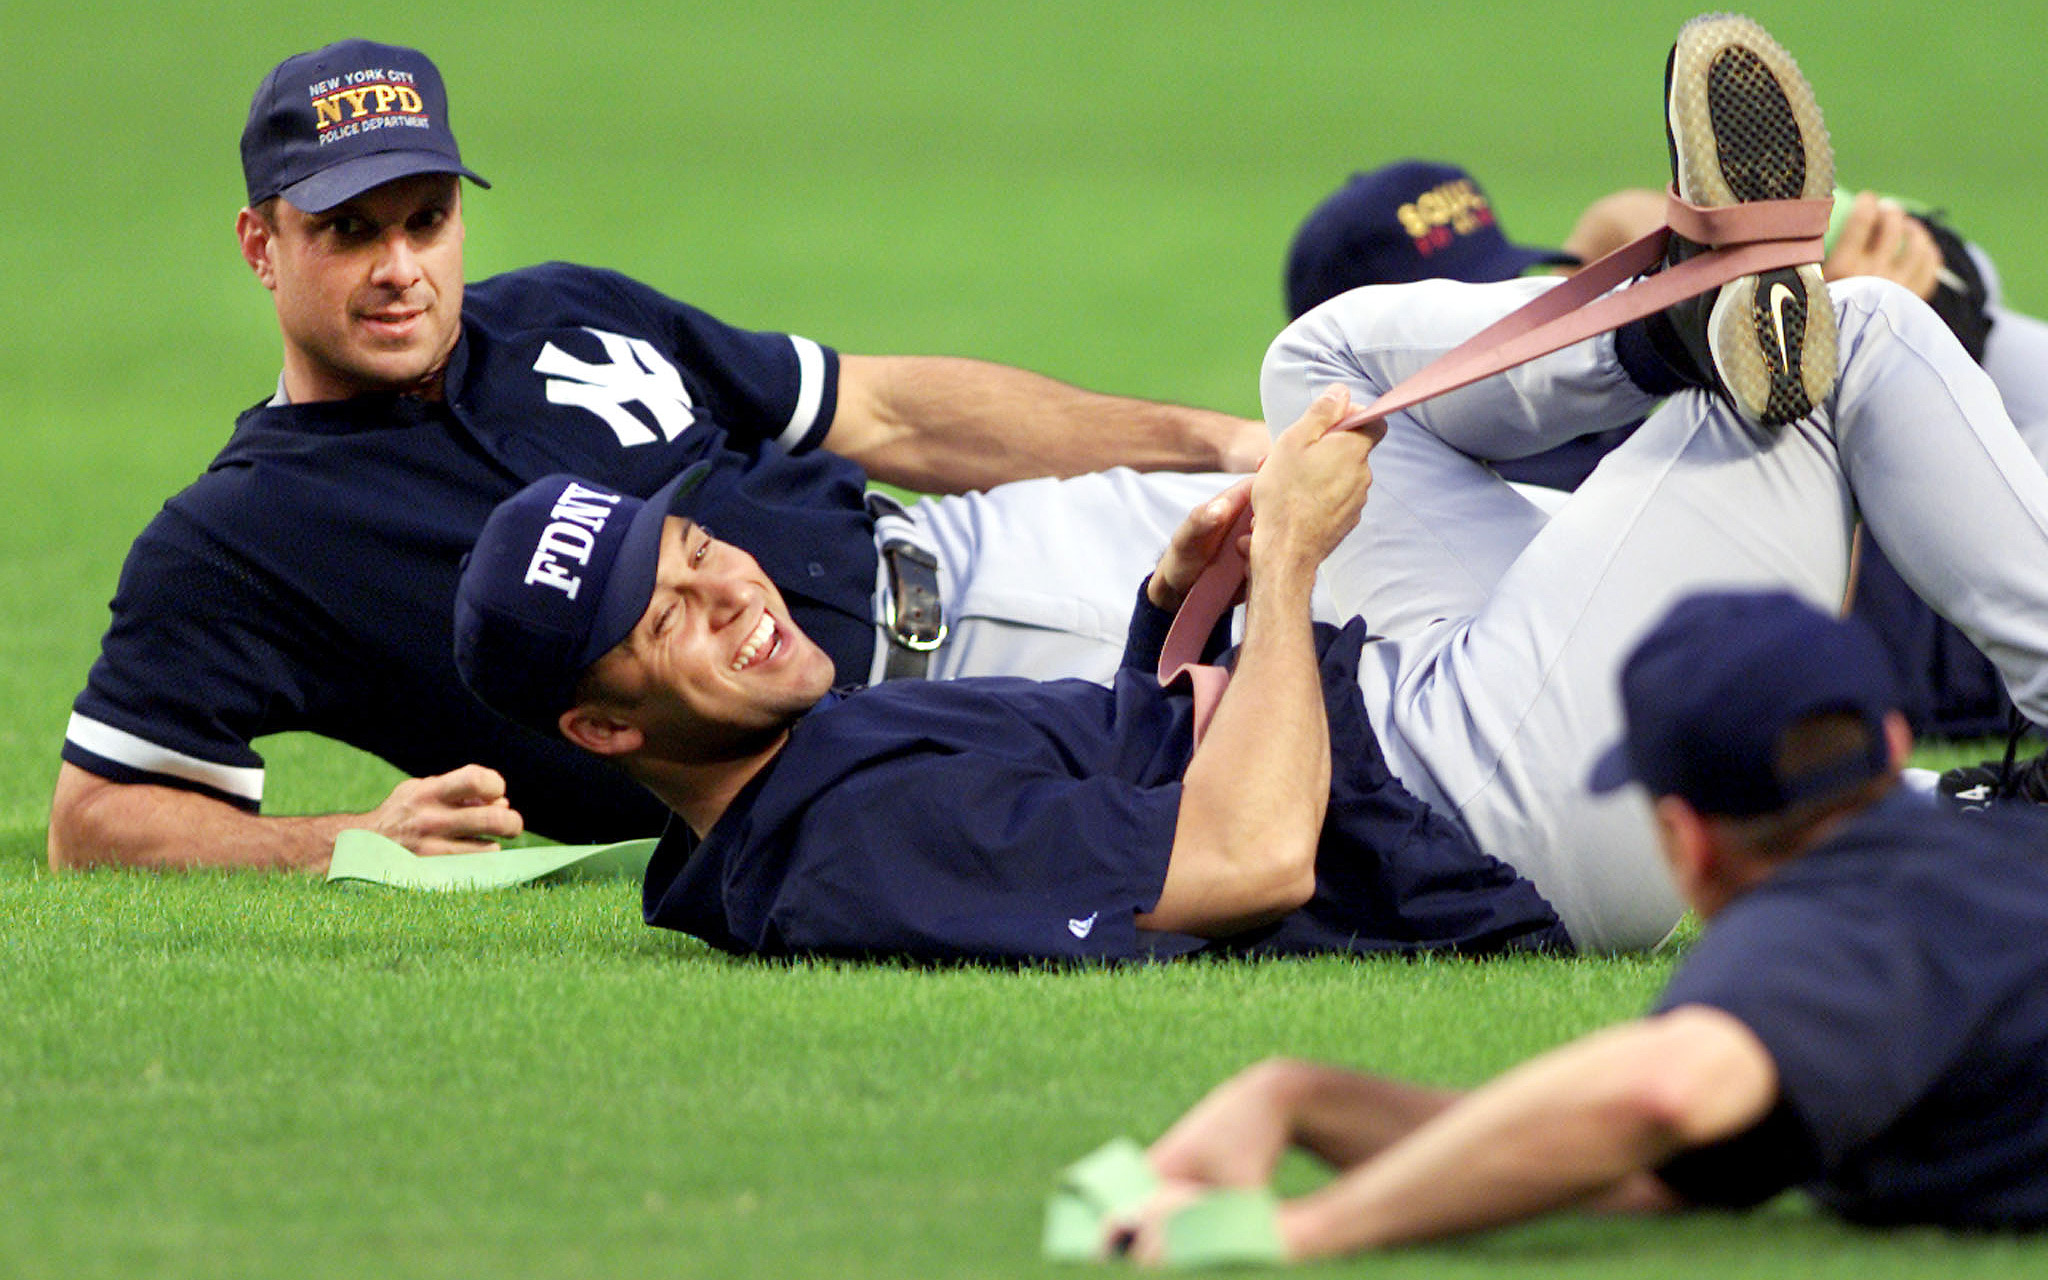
x=464 y=811
x=1236 y=1135
x=1308 y=494
x=1140 y=1235
x=1881 y=239
x=1196 y=544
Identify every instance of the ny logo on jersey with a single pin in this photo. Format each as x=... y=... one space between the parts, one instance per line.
x=636 y=372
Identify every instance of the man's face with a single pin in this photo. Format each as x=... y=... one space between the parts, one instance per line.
x=368 y=293
x=715 y=669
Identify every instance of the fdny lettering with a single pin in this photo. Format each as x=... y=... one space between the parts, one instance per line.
x=637 y=372
x=1437 y=215
x=575 y=521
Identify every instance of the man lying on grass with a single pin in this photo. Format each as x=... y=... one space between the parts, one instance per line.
x=992 y=818
x=1865 y=1015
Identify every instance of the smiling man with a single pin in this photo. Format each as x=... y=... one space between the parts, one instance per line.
x=982 y=819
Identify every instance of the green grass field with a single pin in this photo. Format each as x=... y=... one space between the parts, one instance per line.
x=205 y=1076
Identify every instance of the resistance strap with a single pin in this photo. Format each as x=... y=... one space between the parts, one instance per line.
x=1741 y=239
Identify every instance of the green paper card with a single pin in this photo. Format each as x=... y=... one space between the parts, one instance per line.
x=367 y=858
x=1106 y=1182
x=1226 y=1229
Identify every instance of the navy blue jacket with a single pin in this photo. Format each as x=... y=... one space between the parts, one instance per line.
x=1897 y=976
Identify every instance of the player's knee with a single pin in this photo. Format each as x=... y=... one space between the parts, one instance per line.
x=1863 y=301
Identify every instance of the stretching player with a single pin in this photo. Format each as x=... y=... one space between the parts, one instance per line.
x=1865 y=1015
x=1414 y=220
x=1503 y=625
x=303 y=582
x=983 y=819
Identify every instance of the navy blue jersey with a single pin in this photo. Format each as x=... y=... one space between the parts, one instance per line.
x=306 y=580
x=1004 y=819
x=1897 y=976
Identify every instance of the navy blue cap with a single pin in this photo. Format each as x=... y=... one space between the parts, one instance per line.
x=1412 y=220
x=560 y=574
x=1707 y=694
x=328 y=125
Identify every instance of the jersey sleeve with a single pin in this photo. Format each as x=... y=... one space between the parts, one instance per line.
x=761 y=385
x=192 y=668
x=1855 y=1015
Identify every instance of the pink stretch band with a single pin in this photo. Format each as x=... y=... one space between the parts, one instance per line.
x=1742 y=239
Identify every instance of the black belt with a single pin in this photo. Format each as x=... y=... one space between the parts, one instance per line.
x=912 y=617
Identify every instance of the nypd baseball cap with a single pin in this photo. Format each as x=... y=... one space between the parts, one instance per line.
x=328 y=125
x=1413 y=220
x=560 y=574
x=1709 y=691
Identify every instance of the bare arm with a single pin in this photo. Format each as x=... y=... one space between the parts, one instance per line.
x=95 y=822
x=1236 y=1135
x=944 y=425
x=1254 y=794
x=1585 y=1124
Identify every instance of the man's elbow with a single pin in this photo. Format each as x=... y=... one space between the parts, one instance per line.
x=1277 y=876
x=67 y=843
x=82 y=831
x=1708 y=1078
x=1218 y=887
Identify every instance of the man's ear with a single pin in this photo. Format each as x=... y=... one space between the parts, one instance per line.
x=256 y=234
x=599 y=732
x=1688 y=846
x=1899 y=736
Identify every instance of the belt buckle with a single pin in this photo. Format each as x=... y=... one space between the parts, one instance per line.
x=912 y=612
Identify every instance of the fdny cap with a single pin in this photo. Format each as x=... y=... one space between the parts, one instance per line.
x=560 y=574
x=328 y=125
x=1707 y=693
x=1411 y=220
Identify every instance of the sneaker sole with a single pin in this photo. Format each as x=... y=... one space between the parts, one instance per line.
x=1745 y=127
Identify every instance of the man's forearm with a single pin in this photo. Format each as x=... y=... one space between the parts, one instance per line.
x=1236 y=1135
x=1345 y=1118
x=1256 y=790
x=945 y=425
x=97 y=823
x=1565 y=1129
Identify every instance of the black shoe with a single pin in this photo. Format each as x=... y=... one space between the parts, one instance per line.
x=1979 y=786
x=1992 y=782
x=1743 y=126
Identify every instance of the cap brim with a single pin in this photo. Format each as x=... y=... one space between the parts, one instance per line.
x=351 y=178
x=630 y=585
x=1611 y=771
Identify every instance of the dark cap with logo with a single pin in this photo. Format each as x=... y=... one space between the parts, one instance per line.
x=560 y=574
x=328 y=125
x=1709 y=692
x=1412 y=220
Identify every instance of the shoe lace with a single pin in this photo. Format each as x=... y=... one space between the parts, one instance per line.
x=2012 y=780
